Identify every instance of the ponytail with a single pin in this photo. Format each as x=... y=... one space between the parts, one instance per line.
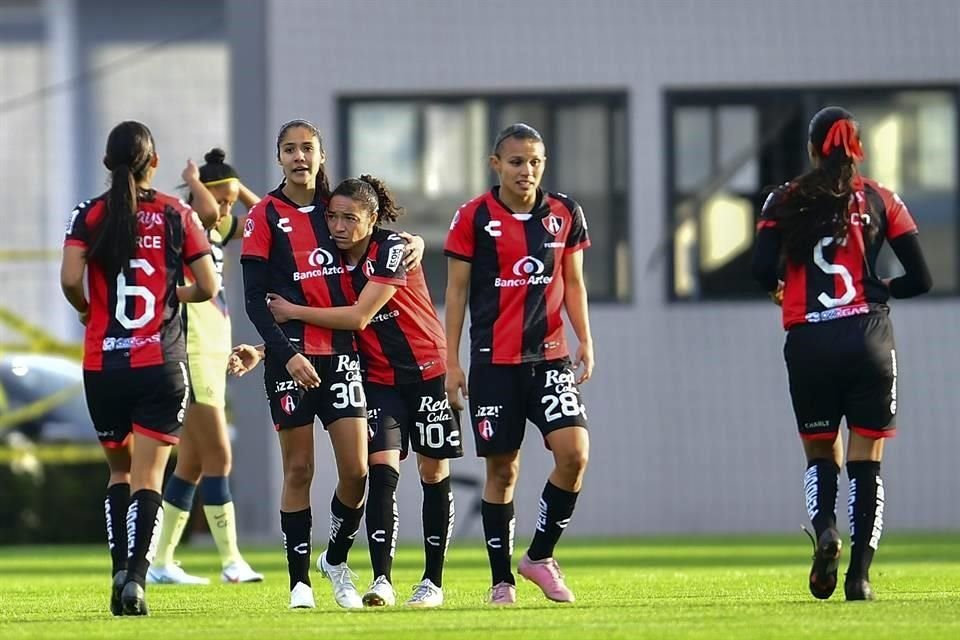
x=129 y=154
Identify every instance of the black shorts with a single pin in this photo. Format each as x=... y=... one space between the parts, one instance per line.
x=415 y=415
x=843 y=368
x=340 y=394
x=504 y=397
x=149 y=400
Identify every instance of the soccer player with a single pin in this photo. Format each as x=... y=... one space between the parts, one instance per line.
x=309 y=371
x=403 y=354
x=826 y=228
x=132 y=243
x=517 y=251
x=204 y=456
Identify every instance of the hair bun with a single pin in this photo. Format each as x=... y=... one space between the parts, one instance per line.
x=215 y=156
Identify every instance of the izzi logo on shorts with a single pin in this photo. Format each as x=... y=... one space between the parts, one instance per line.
x=487 y=423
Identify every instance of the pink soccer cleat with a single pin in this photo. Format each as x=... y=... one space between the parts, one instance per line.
x=546 y=575
x=503 y=593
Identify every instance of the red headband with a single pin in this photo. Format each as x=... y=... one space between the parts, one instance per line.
x=843 y=133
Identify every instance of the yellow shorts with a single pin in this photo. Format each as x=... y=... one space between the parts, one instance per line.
x=208 y=379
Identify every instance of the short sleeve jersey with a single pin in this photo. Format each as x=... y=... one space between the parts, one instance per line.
x=516 y=276
x=839 y=280
x=134 y=320
x=304 y=266
x=404 y=341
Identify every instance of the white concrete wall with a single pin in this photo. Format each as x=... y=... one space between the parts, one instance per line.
x=691 y=422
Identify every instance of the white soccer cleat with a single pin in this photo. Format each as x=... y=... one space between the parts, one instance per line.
x=426 y=595
x=239 y=571
x=380 y=594
x=172 y=574
x=344 y=591
x=301 y=597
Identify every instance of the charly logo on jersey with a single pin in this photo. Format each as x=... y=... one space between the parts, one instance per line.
x=553 y=224
x=248 y=227
x=284 y=225
x=529 y=270
x=493 y=228
x=323 y=263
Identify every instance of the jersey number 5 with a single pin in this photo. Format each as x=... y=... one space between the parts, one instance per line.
x=849 y=291
x=136 y=291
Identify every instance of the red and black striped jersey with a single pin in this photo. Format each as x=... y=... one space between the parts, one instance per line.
x=134 y=320
x=840 y=280
x=516 y=275
x=304 y=266
x=404 y=341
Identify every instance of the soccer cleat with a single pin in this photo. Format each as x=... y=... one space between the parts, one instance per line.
x=344 y=591
x=380 y=594
x=133 y=600
x=239 y=571
x=826 y=559
x=119 y=579
x=546 y=575
x=172 y=574
x=502 y=594
x=301 y=597
x=426 y=595
x=857 y=589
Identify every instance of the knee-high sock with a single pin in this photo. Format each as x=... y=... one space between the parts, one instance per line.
x=498 y=528
x=556 y=509
x=144 y=519
x=115 y=512
x=221 y=517
x=296 y=527
x=865 y=509
x=438 y=518
x=381 y=510
x=820 y=491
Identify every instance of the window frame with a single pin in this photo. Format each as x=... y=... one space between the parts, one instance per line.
x=610 y=100
x=809 y=99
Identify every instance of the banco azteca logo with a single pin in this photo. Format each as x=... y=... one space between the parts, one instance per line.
x=320 y=258
x=527 y=266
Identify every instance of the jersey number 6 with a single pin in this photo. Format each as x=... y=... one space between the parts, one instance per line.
x=135 y=291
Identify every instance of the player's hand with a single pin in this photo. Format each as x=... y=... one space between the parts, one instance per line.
x=456 y=383
x=584 y=357
x=191 y=172
x=777 y=294
x=243 y=359
x=303 y=372
x=281 y=308
x=413 y=252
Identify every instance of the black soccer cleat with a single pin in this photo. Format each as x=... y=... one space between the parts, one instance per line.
x=119 y=579
x=134 y=600
x=857 y=589
x=826 y=560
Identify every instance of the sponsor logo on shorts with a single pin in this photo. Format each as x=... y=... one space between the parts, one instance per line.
x=435 y=410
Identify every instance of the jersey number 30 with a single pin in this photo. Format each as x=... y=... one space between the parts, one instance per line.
x=125 y=291
x=849 y=291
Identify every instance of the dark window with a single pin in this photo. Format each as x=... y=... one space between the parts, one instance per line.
x=727 y=148
x=433 y=153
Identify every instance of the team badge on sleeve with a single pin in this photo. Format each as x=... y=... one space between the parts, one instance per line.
x=248 y=227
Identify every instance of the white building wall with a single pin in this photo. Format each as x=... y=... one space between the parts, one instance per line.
x=691 y=422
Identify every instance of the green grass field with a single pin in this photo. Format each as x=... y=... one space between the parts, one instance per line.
x=733 y=587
